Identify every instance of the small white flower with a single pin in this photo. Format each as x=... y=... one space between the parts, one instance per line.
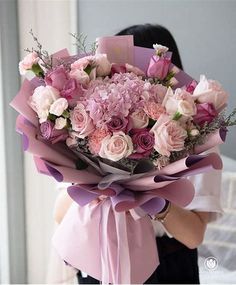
x=194 y=132
x=58 y=107
x=160 y=49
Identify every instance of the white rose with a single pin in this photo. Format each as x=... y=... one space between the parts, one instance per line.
x=60 y=123
x=58 y=107
x=103 y=65
x=42 y=99
x=139 y=119
x=116 y=147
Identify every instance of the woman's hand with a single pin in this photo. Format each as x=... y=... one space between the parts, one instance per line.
x=186 y=226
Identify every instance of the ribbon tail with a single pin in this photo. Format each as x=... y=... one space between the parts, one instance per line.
x=103 y=237
x=123 y=266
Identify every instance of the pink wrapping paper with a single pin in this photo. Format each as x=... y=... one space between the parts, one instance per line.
x=78 y=241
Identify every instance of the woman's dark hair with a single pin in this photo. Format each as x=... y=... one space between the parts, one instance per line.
x=147 y=35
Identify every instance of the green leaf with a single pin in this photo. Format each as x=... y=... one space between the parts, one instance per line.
x=177 y=116
x=52 y=117
x=66 y=114
x=88 y=69
x=151 y=123
x=37 y=70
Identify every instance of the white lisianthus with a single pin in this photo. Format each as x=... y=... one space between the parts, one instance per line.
x=116 y=147
x=58 y=107
x=160 y=49
x=42 y=99
x=60 y=123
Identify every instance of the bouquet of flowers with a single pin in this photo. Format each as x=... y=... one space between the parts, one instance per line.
x=127 y=126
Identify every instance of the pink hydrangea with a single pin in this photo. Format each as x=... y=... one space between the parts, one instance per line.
x=115 y=96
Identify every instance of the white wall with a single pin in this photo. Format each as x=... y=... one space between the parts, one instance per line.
x=205 y=31
x=51 y=21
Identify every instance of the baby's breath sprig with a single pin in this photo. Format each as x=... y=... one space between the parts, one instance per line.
x=231 y=119
x=42 y=54
x=81 y=40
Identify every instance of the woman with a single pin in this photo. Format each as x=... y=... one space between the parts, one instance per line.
x=178 y=231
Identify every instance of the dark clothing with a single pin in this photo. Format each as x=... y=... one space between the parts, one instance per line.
x=178 y=265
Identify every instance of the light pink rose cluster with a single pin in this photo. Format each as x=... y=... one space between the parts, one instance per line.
x=28 y=61
x=158 y=67
x=81 y=121
x=116 y=147
x=88 y=68
x=210 y=91
x=60 y=79
x=180 y=102
x=169 y=135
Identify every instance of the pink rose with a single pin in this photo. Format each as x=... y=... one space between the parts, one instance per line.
x=191 y=86
x=169 y=135
x=80 y=76
x=82 y=63
x=49 y=133
x=81 y=122
x=143 y=142
x=210 y=91
x=206 y=112
x=117 y=124
x=158 y=67
x=103 y=66
x=139 y=119
x=134 y=69
x=116 y=147
x=57 y=78
x=72 y=92
x=27 y=63
x=181 y=101
x=58 y=107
